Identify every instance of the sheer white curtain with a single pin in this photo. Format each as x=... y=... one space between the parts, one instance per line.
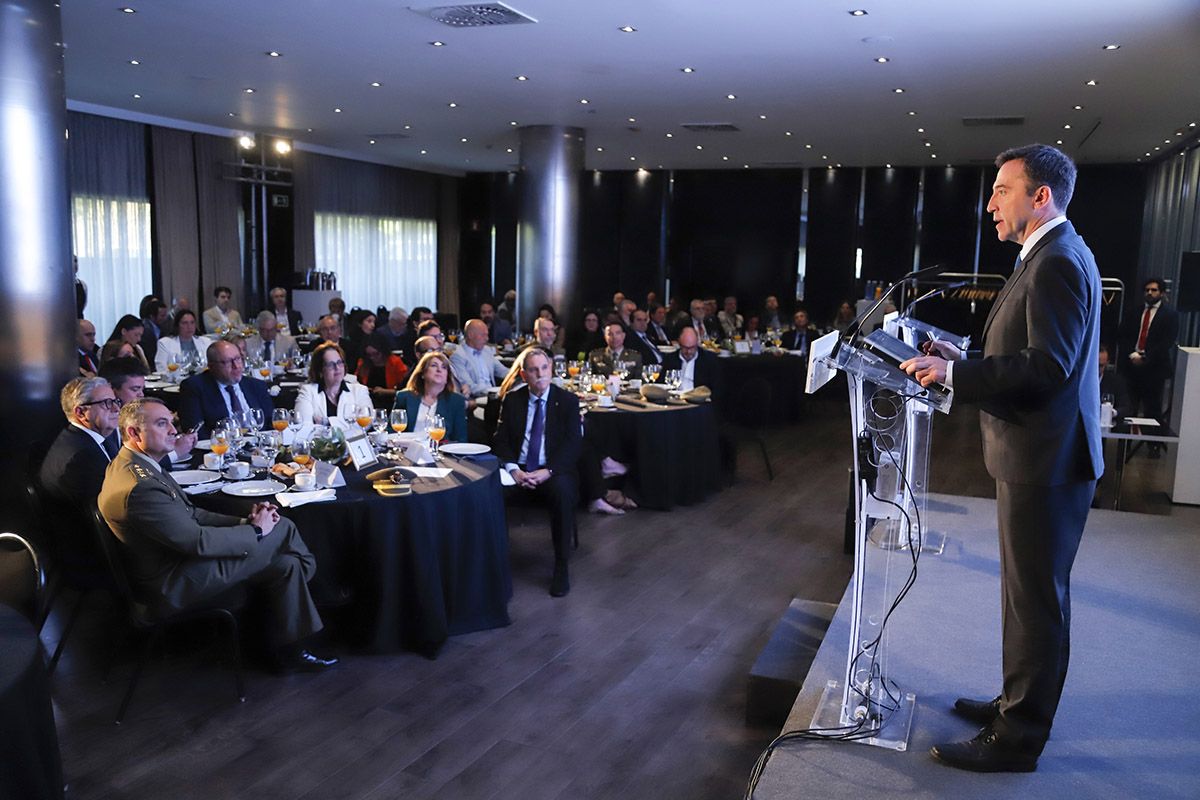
x=389 y=261
x=112 y=242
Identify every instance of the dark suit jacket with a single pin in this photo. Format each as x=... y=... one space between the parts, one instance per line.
x=293 y=316
x=711 y=327
x=645 y=347
x=200 y=400
x=452 y=406
x=791 y=339
x=1039 y=378
x=707 y=372
x=92 y=366
x=150 y=343
x=1159 y=354
x=563 y=436
x=70 y=479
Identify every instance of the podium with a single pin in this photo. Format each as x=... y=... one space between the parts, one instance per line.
x=891 y=418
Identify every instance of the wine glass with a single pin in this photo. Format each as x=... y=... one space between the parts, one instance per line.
x=398 y=418
x=650 y=373
x=281 y=419
x=574 y=368
x=673 y=378
x=364 y=416
x=269 y=444
x=302 y=452
x=437 y=431
x=257 y=419
x=222 y=436
x=172 y=366
x=380 y=420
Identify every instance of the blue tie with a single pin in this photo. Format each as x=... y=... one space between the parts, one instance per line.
x=536 y=432
x=235 y=405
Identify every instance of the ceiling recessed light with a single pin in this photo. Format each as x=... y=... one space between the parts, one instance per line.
x=452 y=105
x=1191 y=124
x=129 y=10
x=837 y=165
x=808 y=147
x=1166 y=141
x=1111 y=47
x=882 y=60
x=1067 y=127
x=889 y=166
x=898 y=90
x=1058 y=141
x=824 y=158
x=370 y=141
x=724 y=158
x=731 y=97
x=929 y=144
x=920 y=130
x=513 y=123
x=508 y=149
x=522 y=77
x=699 y=147
x=408 y=127
x=137 y=97
x=787 y=133
x=436 y=44
x=627 y=29
x=1079 y=108
x=762 y=116
x=248 y=90
x=912 y=113
x=687 y=70
x=599 y=149
x=745 y=166
x=423 y=152
x=1157 y=149
x=633 y=119
x=933 y=155
x=670 y=136
x=232 y=114
x=463 y=140
x=310 y=130
x=633 y=158
x=1091 y=83
x=376 y=84
x=274 y=53
x=583 y=101
x=337 y=111
x=858 y=12
x=134 y=62
x=1179 y=133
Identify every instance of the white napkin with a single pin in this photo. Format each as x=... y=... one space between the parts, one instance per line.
x=506 y=478
x=418 y=453
x=202 y=488
x=328 y=474
x=293 y=499
x=428 y=472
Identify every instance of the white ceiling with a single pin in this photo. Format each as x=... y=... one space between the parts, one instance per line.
x=803 y=64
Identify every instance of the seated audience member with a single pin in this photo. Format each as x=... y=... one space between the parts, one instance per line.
x=1112 y=382
x=587 y=338
x=287 y=318
x=618 y=298
x=222 y=316
x=418 y=315
x=427 y=344
x=651 y=298
x=844 y=317
x=221 y=391
x=500 y=330
x=337 y=308
x=236 y=339
x=329 y=329
x=615 y=353
x=361 y=324
x=128 y=330
x=270 y=343
x=184 y=346
x=802 y=333
x=431 y=390
x=475 y=363
x=154 y=314
x=625 y=311
x=538 y=442
x=86 y=350
x=730 y=320
x=380 y=370
x=658 y=329
x=697 y=367
x=705 y=326
x=127 y=377
x=751 y=332
x=429 y=329
x=772 y=318
x=178 y=305
x=546 y=311
x=545 y=336
x=639 y=339
x=328 y=395
x=116 y=349
x=509 y=305
x=180 y=556
x=396 y=327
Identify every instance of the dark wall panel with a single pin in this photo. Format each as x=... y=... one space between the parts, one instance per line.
x=601 y=200
x=948 y=222
x=832 y=227
x=889 y=222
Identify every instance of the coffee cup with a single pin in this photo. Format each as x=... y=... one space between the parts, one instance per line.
x=306 y=480
x=212 y=461
x=238 y=470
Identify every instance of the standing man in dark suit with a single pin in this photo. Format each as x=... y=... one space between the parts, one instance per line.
x=538 y=441
x=1150 y=339
x=219 y=392
x=1037 y=383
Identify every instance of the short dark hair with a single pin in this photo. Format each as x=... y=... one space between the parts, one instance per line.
x=1044 y=166
x=118 y=371
x=424 y=327
x=217 y=291
x=1149 y=281
x=187 y=312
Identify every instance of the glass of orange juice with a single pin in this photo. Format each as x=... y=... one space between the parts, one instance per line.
x=221 y=437
x=300 y=452
x=364 y=415
x=280 y=418
x=398 y=419
x=437 y=432
x=574 y=368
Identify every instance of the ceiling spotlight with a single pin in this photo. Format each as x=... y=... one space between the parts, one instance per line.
x=370 y=141
x=670 y=136
x=406 y=127
x=824 y=158
x=522 y=78
x=246 y=142
x=452 y=105
x=889 y=166
x=762 y=116
x=912 y=113
x=724 y=158
x=928 y=144
x=633 y=158
x=508 y=149
x=731 y=97
x=248 y=90
x=627 y=29
x=837 y=165
x=933 y=155
x=233 y=114
x=134 y=62
x=1191 y=124
x=699 y=147
x=423 y=152
x=128 y=10
x=310 y=130
x=599 y=149
x=1166 y=141
x=1147 y=154
x=463 y=140
x=1091 y=83
x=274 y=53
x=898 y=90
x=283 y=146
x=745 y=166
x=513 y=123
x=583 y=101
x=787 y=133
x=1067 y=127
x=1157 y=149
x=1111 y=47
x=808 y=147
x=920 y=130
x=1079 y=108
x=376 y=84
x=882 y=60
x=337 y=111
x=137 y=97
x=687 y=70
x=436 y=44
x=858 y=12
x=633 y=119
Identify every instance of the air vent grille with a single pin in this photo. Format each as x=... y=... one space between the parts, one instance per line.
x=992 y=122
x=476 y=15
x=710 y=127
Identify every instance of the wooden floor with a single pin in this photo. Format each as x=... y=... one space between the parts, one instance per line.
x=631 y=687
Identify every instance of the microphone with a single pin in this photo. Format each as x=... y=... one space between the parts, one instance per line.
x=853 y=331
x=930 y=295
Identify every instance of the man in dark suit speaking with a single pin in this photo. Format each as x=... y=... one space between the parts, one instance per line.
x=221 y=391
x=1036 y=381
x=538 y=441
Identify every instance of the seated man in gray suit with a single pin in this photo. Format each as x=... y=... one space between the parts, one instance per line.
x=179 y=556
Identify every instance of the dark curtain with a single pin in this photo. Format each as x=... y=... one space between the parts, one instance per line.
x=218 y=202
x=176 y=234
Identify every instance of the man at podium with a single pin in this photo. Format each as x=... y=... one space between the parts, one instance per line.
x=1036 y=381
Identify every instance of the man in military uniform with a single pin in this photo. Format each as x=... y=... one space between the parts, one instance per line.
x=179 y=556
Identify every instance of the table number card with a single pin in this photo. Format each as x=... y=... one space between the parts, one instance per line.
x=741 y=347
x=361 y=451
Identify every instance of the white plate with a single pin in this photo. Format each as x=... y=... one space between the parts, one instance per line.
x=191 y=477
x=253 y=488
x=465 y=449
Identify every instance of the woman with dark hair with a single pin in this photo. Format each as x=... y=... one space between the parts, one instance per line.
x=359 y=325
x=117 y=348
x=588 y=338
x=844 y=317
x=328 y=395
x=431 y=390
x=185 y=346
x=380 y=370
x=129 y=329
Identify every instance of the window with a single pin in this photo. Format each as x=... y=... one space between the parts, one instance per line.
x=111 y=239
x=386 y=261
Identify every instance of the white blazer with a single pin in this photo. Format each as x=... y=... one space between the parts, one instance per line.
x=169 y=346
x=310 y=402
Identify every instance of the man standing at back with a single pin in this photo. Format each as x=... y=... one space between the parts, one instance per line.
x=1150 y=338
x=1036 y=382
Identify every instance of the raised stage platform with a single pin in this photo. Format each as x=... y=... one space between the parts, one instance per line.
x=1129 y=722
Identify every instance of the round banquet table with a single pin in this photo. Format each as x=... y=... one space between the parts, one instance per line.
x=784 y=373
x=420 y=568
x=675 y=455
x=32 y=766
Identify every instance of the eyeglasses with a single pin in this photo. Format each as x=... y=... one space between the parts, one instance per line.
x=229 y=362
x=334 y=364
x=109 y=403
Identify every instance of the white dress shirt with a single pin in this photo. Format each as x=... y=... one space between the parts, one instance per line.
x=687 y=373
x=478 y=370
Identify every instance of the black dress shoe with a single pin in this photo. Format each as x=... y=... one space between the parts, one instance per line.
x=304 y=661
x=981 y=712
x=561 y=583
x=987 y=752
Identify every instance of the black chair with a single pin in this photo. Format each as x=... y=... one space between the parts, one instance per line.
x=22 y=578
x=142 y=618
x=749 y=413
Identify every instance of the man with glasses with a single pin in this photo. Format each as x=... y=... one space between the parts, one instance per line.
x=73 y=468
x=219 y=392
x=127 y=377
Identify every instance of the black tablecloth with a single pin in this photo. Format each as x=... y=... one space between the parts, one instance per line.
x=422 y=567
x=675 y=456
x=30 y=765
x=785 y=375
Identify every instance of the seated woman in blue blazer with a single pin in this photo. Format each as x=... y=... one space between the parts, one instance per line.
x=431 y=390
